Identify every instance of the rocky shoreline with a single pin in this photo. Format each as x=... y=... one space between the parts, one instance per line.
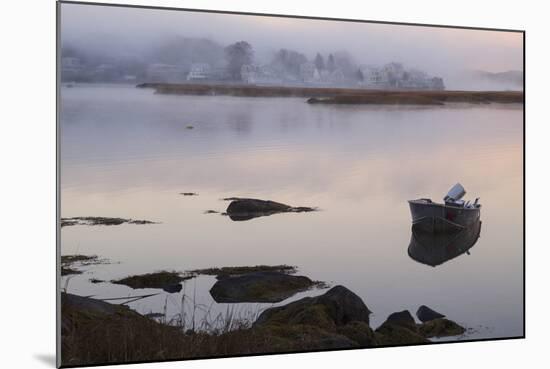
x=337 y=319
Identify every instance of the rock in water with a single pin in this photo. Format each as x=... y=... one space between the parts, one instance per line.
x=425 y=314
x=245 y=209
x=336 y=307
x=258 y=287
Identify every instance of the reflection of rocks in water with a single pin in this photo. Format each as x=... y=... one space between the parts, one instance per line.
x=246 y=209
x=437 y=248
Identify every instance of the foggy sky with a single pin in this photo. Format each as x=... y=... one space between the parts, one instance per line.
x=439 y=51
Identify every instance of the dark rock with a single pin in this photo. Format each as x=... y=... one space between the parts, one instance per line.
x=441 y=327
x=189 y=193
x=245 y=206
x=172 y=288
x=92 y=221
x=336 y=319
x=245 y=209
x=399 y=329
x=337 y=307
x=167 y=281
x=258 y=287
x=402 y=318
x=211 y=212
x=425 y=314
x=344 y=306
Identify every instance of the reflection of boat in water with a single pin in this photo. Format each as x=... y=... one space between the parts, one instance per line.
x=433 y=249
x=452 y=216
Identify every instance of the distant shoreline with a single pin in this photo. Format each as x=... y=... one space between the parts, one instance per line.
x=334 y=95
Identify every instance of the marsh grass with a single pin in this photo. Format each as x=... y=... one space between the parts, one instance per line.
x=92 y=337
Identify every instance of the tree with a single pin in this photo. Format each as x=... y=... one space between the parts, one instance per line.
x=289 y=61
x=331 y=65
x=237 y=55
x=319 y=62
x=359 y=75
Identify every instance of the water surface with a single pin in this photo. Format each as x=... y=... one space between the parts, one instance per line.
x=128 y=152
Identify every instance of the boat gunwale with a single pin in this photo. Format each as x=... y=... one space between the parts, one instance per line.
x=438 y=204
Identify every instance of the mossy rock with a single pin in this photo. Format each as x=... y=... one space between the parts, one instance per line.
x=359 y=332
x=441 y=328
x=392 y=334
x=259 y=287
x=168 y=281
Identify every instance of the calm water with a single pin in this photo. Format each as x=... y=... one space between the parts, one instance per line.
x=126 y=152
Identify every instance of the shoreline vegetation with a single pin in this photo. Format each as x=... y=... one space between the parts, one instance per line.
x=329 y=95
x=97 y=332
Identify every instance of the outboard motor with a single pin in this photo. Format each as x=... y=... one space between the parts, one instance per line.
x=455 y=193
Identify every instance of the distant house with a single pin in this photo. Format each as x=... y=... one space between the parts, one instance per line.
x=374 y=77
x=255 y=74
x=165 y=73
x=394 y=76
x=199 y=72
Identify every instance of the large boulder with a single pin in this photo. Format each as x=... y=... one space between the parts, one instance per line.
x=425 y=314
x=337 y=307
x=336 y=319
x=259 y=287
x=441 y=327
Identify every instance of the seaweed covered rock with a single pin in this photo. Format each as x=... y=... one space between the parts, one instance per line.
x=259 y=287
x=399 y=329
x=167 y=281
x=391 y=334
x=425 y=314
x=441 y=327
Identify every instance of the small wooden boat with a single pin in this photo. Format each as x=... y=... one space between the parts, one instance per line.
x=452 y=216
